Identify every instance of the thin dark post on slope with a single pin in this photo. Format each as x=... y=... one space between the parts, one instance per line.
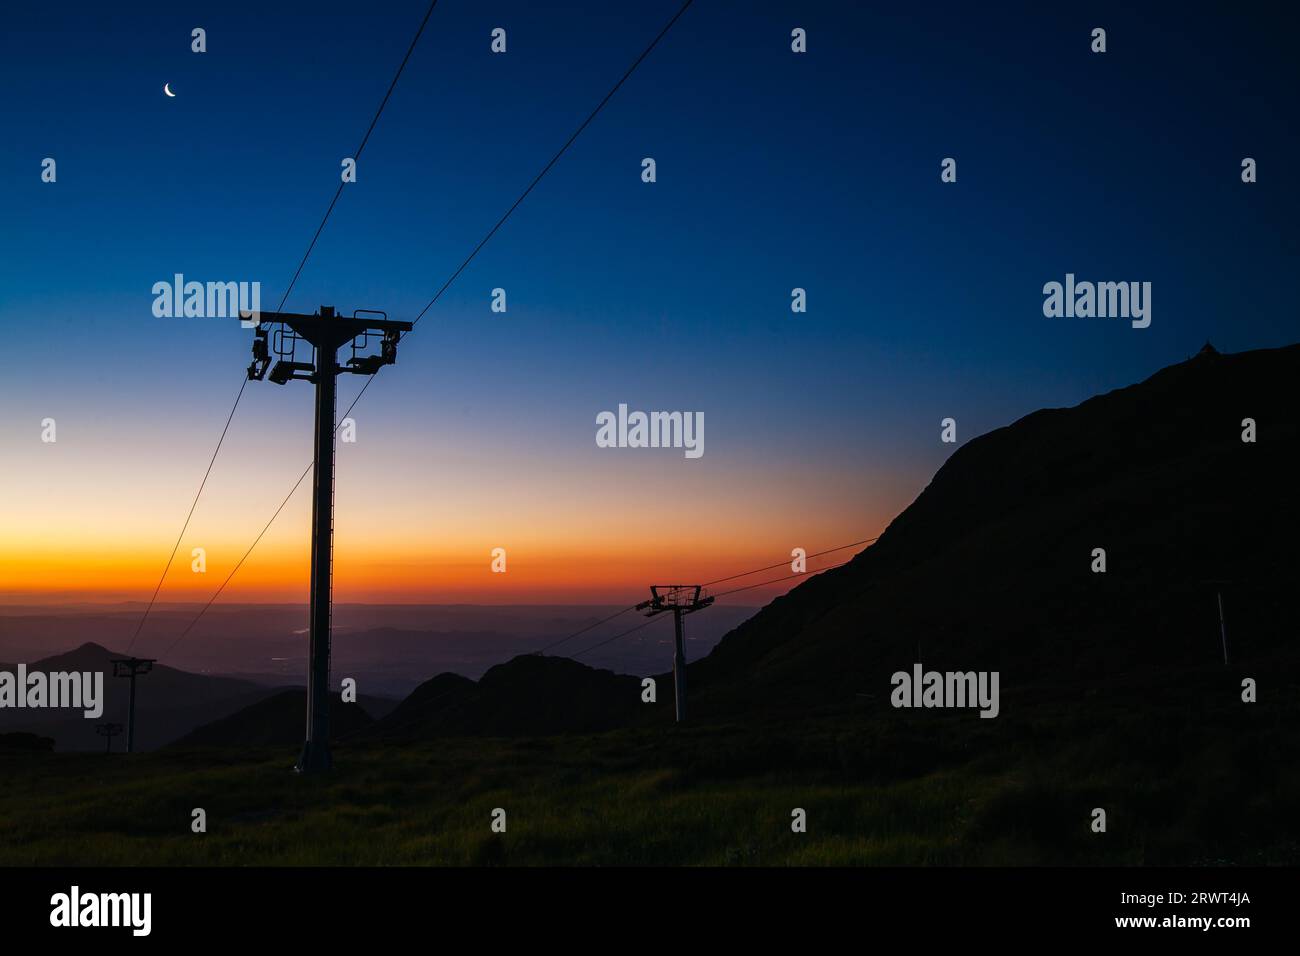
x=1219 y=586
x=681 y=599
x=1223 y=630
x=108 y=731
x=277 y=335
x=132 y=667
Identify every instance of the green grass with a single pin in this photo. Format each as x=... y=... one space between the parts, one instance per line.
x=432 y=805
x=1180 y=784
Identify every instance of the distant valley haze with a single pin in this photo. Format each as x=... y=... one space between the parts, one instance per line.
x=252 y=649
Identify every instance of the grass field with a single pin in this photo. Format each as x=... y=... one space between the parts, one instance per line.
x=1182 y=782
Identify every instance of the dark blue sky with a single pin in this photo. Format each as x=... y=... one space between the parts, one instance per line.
x=774 y=171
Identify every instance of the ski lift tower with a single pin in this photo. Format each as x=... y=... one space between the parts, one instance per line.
x=681 y=599
x=277 y=335
x=132 y=667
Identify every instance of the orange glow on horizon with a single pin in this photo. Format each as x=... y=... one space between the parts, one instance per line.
x=536 y=573
x=410 y=533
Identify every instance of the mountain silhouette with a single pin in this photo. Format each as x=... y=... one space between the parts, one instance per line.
x=529 y=695
x=991 y=567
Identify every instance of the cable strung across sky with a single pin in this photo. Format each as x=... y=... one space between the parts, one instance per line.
x=446 y=285
x=284 y=298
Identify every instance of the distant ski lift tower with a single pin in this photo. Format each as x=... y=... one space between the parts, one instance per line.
x=680 y=599
x=108 y=730
x=277 y=335
x=132 y=667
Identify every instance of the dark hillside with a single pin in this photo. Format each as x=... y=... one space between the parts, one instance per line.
x=990 y=568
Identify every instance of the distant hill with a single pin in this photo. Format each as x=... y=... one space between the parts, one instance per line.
x=525 y=696
x=529 y=695
x=990 y=567
x=279 y=720
x=169 y=702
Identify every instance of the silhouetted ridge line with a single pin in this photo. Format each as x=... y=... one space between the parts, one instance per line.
x=991 y=566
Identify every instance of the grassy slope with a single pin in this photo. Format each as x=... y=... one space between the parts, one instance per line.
x=1187 y=773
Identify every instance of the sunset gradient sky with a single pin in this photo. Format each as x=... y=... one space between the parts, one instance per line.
x=775 y=171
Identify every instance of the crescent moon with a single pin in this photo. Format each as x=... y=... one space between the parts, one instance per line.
x=167 y=89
